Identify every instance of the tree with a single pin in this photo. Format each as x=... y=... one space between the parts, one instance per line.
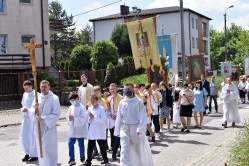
x=237 y=45
x=120 y=37
x=103 y=53
x=84 y=36
x=80 y=58
x=62 y=43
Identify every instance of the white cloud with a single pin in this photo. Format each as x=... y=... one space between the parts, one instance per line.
x=96 y=5
x=241 y=21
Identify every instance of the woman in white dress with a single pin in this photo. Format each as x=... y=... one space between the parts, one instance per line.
x=176 y=111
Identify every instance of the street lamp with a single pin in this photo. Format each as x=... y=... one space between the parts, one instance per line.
x=225 y=15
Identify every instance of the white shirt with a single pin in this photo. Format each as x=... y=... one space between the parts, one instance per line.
x=27 y=100
x=110 y=122
x=242 y=85
x=78 y=127
x=233 y=93
x=97 y=128
x=131 y=112
x=154 y=105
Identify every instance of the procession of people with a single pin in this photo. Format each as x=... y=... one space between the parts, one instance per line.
x=131 y=119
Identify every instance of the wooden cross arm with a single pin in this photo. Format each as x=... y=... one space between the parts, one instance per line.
x=32 y=45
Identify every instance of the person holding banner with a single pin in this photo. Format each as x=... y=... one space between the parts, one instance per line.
x=49 y=108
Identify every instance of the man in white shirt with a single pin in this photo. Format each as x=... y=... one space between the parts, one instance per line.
x=97 y=130
x=27 y=127
x=130 y=127
x=85 y=91
x=49 y=108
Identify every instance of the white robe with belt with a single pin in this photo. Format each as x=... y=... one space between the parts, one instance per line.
x=49 y=108
x=230 y=105
x=27 y=127
x=78 y=128
x=131 y=118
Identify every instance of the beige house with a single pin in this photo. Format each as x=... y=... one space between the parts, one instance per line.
x=19 y=21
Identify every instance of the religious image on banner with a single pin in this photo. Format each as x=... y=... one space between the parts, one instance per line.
x=143 y=43
x=235 y=73
x=167 y=49
x=157 y=76
x=196 y=67
x=247 y=66
x=226 y=69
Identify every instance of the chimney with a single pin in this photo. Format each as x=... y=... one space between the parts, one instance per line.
x=124 y=10
x=134 y=9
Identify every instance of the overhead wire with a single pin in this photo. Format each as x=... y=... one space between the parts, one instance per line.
x=97 y=8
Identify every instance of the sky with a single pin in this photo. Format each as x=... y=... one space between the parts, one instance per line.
x=213 y=9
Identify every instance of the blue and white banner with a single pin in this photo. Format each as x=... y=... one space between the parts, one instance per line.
x=167 y=48
x=226 y=69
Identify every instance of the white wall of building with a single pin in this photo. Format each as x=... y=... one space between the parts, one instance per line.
x=103 y=29
x=25 y=19
x=171 y=24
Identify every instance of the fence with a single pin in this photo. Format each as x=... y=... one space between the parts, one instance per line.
x=62 y=82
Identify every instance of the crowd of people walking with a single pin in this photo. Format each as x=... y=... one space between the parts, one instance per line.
x=131 y=119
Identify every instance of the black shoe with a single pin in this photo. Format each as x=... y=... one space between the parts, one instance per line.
x=104 y=162
x=188 y=131
x=25 y=158
x=183 y=129
x=71 y=163
x=87 y=163
x=216 y=111
x=95 y=154
x=224 y=124
x=233 y=124
x=82 y=161
x=31 y=159
x=114 y=156
x=209 y=112
x=153 y=139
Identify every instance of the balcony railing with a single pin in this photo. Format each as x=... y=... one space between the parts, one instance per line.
x=15 y=61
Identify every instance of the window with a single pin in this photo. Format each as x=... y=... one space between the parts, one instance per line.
x=193 y=42
x=26 y=39
x=196 y=22
x=204 y=29
x=193 y=24
x=25 y=1
x=205 y=47
x=2 y=6
x=3 y=44
x=197 y=43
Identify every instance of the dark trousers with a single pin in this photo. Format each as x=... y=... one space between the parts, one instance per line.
x=215 y=102
x=111 y=131
x=90 y=146
x=155 y=120
x=116 y=145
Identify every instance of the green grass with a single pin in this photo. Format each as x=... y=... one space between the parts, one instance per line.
x=135 y=79
x=239 y=150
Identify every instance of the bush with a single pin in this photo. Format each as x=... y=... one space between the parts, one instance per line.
x=103 y=53
x=72 y=83
x=135 y=79
x=127 y=59
x=239 y=150
x=42 y=75
x=80 y=58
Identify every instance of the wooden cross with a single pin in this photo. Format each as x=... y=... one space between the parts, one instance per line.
x=31 y=49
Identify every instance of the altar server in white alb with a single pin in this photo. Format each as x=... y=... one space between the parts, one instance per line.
x=27 y=127
x=78 y=128
x=85 y=91
x=49 y=109
x=130 y=127
x=97 y=130
x=229 y=95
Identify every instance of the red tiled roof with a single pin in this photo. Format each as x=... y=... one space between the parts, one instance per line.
x=148 y=12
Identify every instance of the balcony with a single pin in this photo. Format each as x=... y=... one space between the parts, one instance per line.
x=15 y=61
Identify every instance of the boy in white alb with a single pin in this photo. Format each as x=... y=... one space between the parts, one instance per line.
x=97 y=130
x=77 y=122
x=27 y=138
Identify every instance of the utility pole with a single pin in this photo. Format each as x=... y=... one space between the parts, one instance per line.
x=225 y=22
x=183 y=42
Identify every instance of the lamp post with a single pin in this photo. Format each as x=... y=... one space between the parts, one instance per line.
x=225 y=16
